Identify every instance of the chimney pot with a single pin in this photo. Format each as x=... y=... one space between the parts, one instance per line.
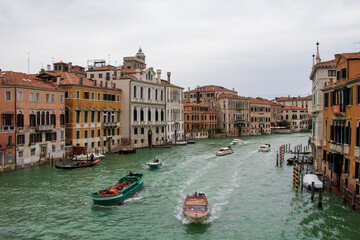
x=168 y=76
x=48 y=67
x=69 y=66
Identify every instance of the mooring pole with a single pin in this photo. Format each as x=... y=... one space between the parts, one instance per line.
x=312 y=191
x=320 y=198
x=277 y=158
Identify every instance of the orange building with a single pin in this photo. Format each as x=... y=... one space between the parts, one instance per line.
x=199 y=121
x=341 y=124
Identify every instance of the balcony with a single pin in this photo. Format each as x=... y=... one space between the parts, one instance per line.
x=7 y=128
x=45 y=127
x=109 y=124
x=338 y=110
x=337 y=147
x=317 y=108
x=346 y=148
x=357 y=151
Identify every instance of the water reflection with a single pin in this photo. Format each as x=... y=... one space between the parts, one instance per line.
x=197 y=228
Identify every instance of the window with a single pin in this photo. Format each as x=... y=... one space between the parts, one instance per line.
x=142 y=130
x=92 y=133
x=77 y=94
x=118 y=98
x=99 y=96
x=91 y=75
x=62 y=98
x=47 y=97
x=86 y=115
x=92 y=116
x=98 y=116
x=100 y=75
x=135 y=131
x=343 y=73
x=31 y=96
x=134 y=91
x=92 y=95
x=52 y=98
x=141 y=93
x=20 y=96
x=357 y=170
x=78 y=116
x=77 y=134
x=66 y=94
x=135 y=114
x=62 y=135
x=20 y=139
x=326 y=100
x=347 y=165
x=331 y=73
x=149 y=93
x=86 y=134
x=37 y=97
x=107 y=76
x=8 y=96
x=358 y=94
x=86 y=95
x=98 y=133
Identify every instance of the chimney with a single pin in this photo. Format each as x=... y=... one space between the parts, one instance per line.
x=69 y=66
x=58 y=80
x=337 y=57
x=81 y=81
x=48 y=67
x=158 y=76
x=95 y=83
x=168 y=77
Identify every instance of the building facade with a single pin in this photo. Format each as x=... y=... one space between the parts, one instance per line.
x=33 y=120
x=92 y=112
x=297 y=116
x=260 y=116
x=322 y=74
x=341 y=124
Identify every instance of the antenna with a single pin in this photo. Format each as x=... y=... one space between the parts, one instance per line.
x=109 y=60
x=28 y=62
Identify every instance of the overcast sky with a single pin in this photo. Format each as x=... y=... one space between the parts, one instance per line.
x=259 y=47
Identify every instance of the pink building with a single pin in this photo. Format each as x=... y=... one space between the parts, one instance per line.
x=32 y=124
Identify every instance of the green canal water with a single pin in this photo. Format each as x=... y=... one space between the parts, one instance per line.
x=250 y=198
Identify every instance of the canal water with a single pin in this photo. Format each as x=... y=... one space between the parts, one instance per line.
x=250 y=198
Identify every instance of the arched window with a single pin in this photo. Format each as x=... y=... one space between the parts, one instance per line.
x=43 y=118
x=10 y=141
x=141 y=93
x=156 y=115
x=134 y=91
x=162 y=95
x=156 y=94
x=38 y=122
x=47 y=118
x=149 y=114
x=141 y=115
x=149 y=94
x=135 y=114
x=162 y=115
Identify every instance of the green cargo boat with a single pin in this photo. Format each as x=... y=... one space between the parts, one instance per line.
x=119 y=191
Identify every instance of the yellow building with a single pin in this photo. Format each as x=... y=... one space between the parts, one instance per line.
x=260 y=116
x=92 y=112
x=199 y=121
x=341 y=124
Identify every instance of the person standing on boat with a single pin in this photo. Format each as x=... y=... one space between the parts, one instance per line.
x=195 y=194
x=92 y=157
x=131 y=173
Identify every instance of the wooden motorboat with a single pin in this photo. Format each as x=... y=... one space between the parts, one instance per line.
x=224 y=151
x=78 y=165
x=190 y=141
x=237 y=141
x=119 y=191
x=196 y=208
x=155 y=164
x=290 y=161
x=180 y=143
x=264 y=148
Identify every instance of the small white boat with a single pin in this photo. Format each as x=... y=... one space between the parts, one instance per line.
x=264 y=148
x=237 y=141
x=180 y=143
x=224 y=151
x=85 y=157
x=309 y=178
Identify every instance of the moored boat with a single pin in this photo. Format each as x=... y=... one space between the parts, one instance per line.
x=78 y=165
x=180 y=143
x=119 y=191
x=196 y=208
x=190 y=141
x=264 y=148
x=237 y=141
x=88 y=157
x=309 y=178
x=224 y=151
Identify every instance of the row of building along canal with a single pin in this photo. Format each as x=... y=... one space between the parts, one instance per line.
x=250 y=197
